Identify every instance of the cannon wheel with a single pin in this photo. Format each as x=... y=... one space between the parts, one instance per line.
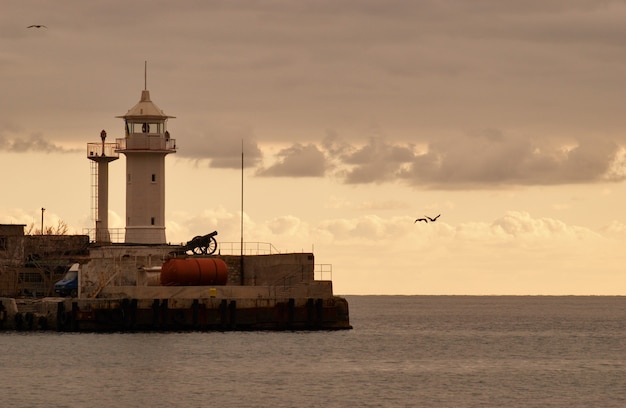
x=208 y=249
x=193 y=250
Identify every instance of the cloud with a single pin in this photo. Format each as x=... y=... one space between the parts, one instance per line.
x=425 y=70
x=297 y=161
x=520 y=224
x=493 y=159
x=285 y=225
x=615 y=229
x=513 y=229
x=222 y=148
x=485 y=159
x=377 y=161
x=34 y=143
x=383 y=205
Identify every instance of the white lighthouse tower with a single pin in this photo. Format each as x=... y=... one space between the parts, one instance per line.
x=145 y=146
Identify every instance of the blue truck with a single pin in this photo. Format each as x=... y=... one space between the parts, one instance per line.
x=68 y=286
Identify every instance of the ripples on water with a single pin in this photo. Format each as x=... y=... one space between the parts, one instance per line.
x=404 y=351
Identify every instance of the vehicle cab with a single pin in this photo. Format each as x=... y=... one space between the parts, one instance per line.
x=69 y=284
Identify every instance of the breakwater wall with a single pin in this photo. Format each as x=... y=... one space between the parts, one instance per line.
x=174 y=314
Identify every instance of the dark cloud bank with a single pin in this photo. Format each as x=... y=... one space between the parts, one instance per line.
x=487 y=159
x=482 y=63
x=34 y=143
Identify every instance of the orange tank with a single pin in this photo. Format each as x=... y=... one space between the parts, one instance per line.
x=194 y=272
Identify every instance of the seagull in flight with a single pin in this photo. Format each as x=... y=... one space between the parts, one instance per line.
x=433 y=219
x=36 y=26
x=421 y=219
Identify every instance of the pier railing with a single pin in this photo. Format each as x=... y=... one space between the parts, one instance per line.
x=117 y=236
x=323 y=272
x=249 y=248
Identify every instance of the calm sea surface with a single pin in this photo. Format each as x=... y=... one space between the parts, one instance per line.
x=404 y=351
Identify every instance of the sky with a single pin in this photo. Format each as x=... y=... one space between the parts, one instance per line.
x=355 y=118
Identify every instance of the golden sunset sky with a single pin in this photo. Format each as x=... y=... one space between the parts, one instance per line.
x=356 y=117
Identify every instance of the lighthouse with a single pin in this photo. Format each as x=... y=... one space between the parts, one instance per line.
x=145 y=145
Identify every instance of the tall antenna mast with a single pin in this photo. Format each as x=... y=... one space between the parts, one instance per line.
x=145 y=75
x=241 y=248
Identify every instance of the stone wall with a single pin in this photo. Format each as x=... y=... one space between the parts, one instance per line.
x=47 y=257
x=55 y=246
x=11 y=260
x=31 y=264
x=138 y=265
x=119 y=265
x=320 y=289
x=270 y=270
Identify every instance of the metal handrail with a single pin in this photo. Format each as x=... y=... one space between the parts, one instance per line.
x=117 y=235
x=249 y=248
x=102 y=149
x=323 y=271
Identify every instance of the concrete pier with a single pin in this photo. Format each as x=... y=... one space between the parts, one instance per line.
x=175 y=314
x=120 y=289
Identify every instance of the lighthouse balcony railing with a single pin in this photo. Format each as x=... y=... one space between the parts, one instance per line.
x=146 y=142
x=101 y=150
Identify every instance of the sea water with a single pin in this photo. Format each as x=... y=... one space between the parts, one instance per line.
x=404 y=351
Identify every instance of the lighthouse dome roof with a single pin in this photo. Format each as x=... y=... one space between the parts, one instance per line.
x=145 y=109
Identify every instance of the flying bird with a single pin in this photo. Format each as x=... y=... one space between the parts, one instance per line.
x=36 y=26
x=433 y=219
x=421 y=219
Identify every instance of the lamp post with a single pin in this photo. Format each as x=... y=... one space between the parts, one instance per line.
x=42 y=210
x=103 y=135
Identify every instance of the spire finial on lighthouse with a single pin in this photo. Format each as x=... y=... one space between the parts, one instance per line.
x=145 y=75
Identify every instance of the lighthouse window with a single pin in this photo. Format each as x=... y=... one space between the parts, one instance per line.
x=154 y=178
x=146 y=127
x=152 y=221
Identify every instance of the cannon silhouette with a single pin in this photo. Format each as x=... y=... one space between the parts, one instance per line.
x=200 y=245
